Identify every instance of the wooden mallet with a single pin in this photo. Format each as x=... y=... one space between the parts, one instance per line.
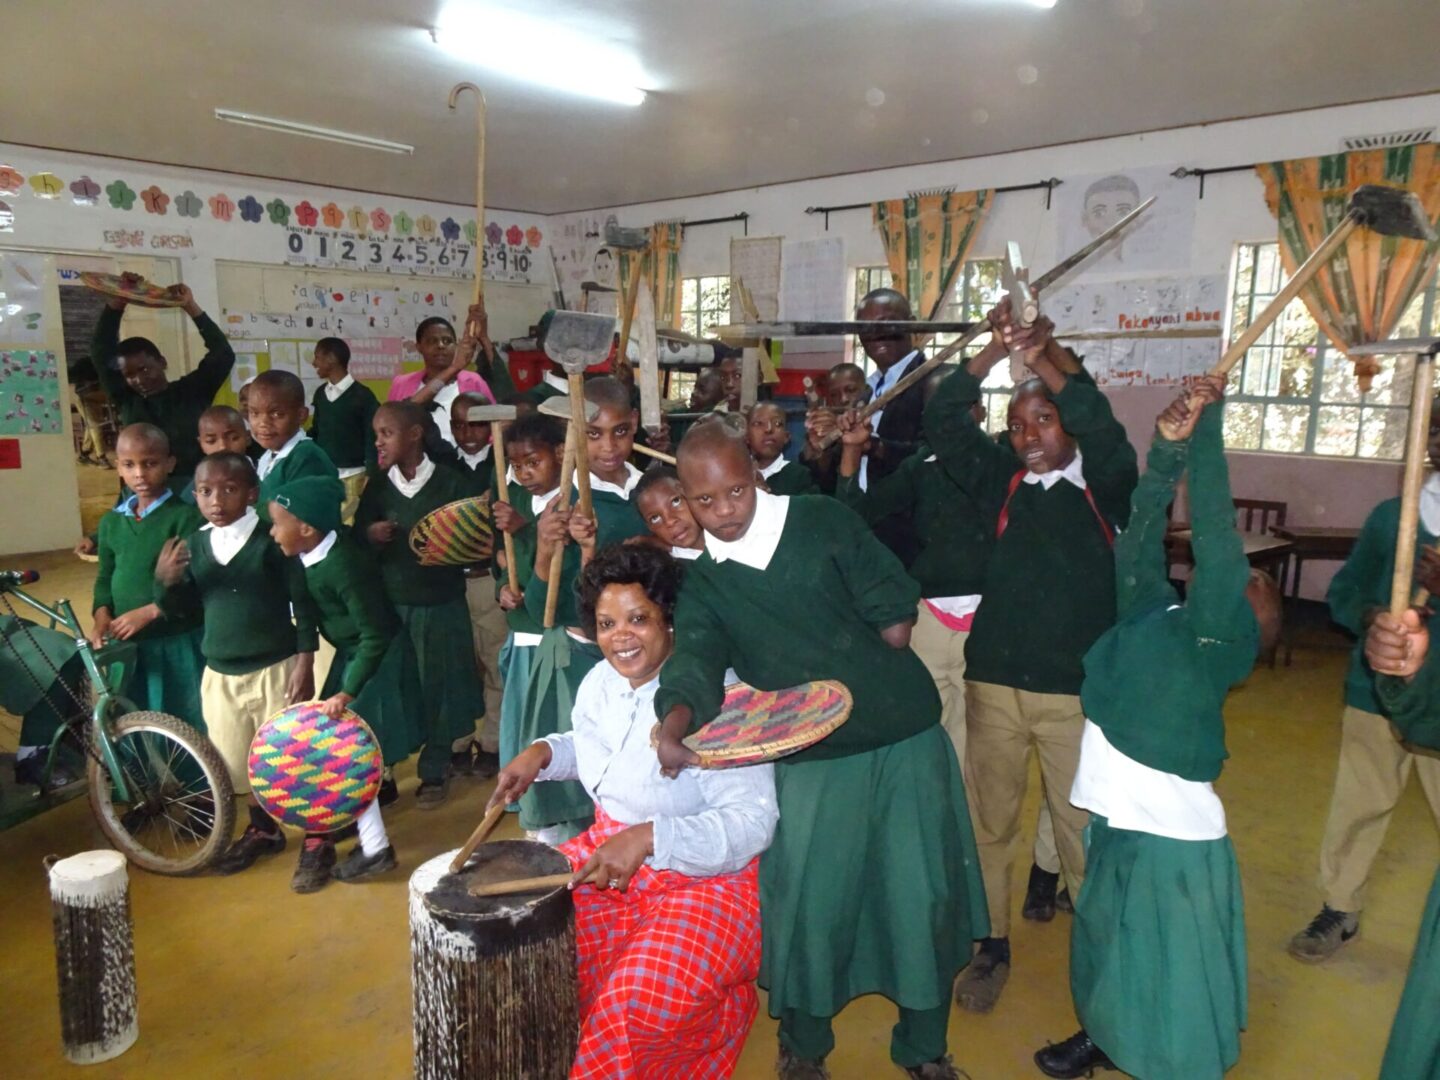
x=497 y=416
x=574 y=465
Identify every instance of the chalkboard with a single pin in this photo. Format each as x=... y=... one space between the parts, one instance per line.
x=80 y=309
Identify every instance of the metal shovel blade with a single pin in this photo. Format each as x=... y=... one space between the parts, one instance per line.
x=577 y=340
x=490 y=414
x=617 y=236
x=1390 y=211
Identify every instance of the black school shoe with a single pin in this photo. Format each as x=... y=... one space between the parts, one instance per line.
x=430 y=794
x=359 y=867
x=317 y=860
x=1075 y=1057
x=485 y=764
x=1040 y=895
x=389 y=791
x=245 y=852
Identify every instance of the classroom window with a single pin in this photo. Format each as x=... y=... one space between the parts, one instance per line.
x=704 y=303
x=1295 y=393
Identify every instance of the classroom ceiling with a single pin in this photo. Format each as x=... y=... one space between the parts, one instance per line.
x=741 y=92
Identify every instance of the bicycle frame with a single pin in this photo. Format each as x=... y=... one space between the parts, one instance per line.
x=106 y=695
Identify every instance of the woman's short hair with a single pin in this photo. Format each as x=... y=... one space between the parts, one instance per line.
x=628 y=564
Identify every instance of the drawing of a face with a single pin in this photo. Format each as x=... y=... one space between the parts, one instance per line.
x=1109 y=200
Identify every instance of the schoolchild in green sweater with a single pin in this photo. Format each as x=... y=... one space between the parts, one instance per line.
x=277 y=412
x=767 y=436
x=534 y=445
x=661 y=502
x=556 y=812
x=1058 y=492
x=374 y=668
x=342 y=410
x=1157 y=953
x=872 y=883
x=418 y=477
x=480 y=756
x=168 y=661
x=1408 y=684
x=135 y=377
x=222 y=429
x=257 y=660
x=1374 y=767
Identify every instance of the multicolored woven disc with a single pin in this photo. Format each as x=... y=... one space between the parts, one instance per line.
x=455 y=534
x=764 y=725
x=313 y=772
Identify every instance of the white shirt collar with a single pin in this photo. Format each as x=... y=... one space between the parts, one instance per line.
x=271 y=457
x=334 y=390
x=880 y=380
x=411 y=488
x=774 y=467
x=1074 y=472
x=632 y=477
x=686 y=554
x=227 y=540
x=539 y=502
x=555 y=381
x=1430 y=504
x=473 y=460
x=757 y=547
x=320 y=550
x=127 y=507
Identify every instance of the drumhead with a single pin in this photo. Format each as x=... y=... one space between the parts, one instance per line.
x=497 y=860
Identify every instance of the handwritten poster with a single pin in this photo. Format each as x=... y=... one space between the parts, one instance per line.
x=29 y=393
x=756 y=261
x=812 y=287
x=1161 y=239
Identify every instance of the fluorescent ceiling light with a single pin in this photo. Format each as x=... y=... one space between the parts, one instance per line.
x=544 y=52
x=293 y=127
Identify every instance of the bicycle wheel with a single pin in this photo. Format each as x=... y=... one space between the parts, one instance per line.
x=182 y=807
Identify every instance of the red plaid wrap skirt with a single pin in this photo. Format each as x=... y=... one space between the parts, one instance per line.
x=667 y=968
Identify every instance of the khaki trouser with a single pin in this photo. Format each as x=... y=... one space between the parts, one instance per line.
x=487 y=622
x=354 y=488
x=1374 y=769
x=942 y=651
x=1004 y=725
x=234 y=707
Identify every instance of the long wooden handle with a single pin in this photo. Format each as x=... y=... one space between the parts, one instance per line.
x=627 y=313
x=519 y=885
x=484 y=829
x=1307 y=270
x=497 y=439
x=1403 y=581
x=582 y=456
x=658 y=455
x=567 y=473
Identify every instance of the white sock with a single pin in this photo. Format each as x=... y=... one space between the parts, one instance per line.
x=373 y=838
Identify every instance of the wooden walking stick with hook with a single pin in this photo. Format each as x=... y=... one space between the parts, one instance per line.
x=472 y=327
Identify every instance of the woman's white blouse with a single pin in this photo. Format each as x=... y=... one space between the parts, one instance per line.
x=707 y=821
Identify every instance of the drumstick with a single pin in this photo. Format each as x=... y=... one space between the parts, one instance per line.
x=567 y=471
x=656 y=454
x=519 y=885
x=497 y=438
x=484 y=829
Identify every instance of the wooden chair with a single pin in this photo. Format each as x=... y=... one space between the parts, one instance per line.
x=1259 y=515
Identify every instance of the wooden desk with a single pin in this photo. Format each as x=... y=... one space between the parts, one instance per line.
x=1322 y=542
x=1265 y=552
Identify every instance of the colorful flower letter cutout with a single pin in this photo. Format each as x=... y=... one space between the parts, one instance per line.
x=121 y=196
x=156 y=201
x=333 y=215
x=85 y=191
x=221 y=207
x=278 y=211
x=306 y=214
x=250 y=209
x=188 y=204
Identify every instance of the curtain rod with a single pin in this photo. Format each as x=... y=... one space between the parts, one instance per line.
x=1184 y=173
x=1049 y=186
x=742 y=216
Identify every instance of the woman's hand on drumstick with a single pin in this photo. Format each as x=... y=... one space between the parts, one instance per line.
x=616 y=860
x=515 y=779
x=335 y=705
x=1397 y=646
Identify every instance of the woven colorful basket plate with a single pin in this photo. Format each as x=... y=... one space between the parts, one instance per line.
x=136 y=290
x=456 y=534
x=755 y=726
x=313 y=772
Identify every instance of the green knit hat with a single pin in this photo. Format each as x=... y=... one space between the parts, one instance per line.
x=315 y=500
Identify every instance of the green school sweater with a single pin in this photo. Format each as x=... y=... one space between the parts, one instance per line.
x=1156 y=681
x=343 y=428
x=408 y=583
x=351 y=609
x=246 y=603
x=1050 y=583
x=129 y=549
x=1414 y=706
x=478 y=479
x=792 y=479
x=815 y=612
x=955 y=534
x=176 y=409
x=616 y=520
x=1363 y=583
x=521 y=620
x=305 y=459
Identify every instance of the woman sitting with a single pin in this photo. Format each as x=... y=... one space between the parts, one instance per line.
x=667 y=906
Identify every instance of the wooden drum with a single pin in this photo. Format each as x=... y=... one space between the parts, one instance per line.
x=94 y=955
x=493 y=978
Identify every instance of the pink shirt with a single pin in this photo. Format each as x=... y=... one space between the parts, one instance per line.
x=404 y=386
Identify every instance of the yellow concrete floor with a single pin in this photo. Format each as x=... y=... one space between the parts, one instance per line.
x=238 y=977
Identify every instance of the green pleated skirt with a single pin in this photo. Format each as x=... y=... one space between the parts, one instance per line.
x=515 y=663
x=557 y=667
x=872 y=883
x=452 y=696
x=1157 y=952
x=167 y=676
x=1413 y=1052
x=389 y=702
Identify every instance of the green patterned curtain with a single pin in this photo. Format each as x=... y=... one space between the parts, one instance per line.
x=1364 y=290
x=926 y=237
